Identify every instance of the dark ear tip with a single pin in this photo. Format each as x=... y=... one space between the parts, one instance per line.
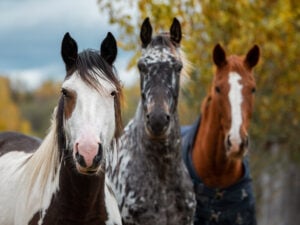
x=219 y=55
x=217 y=47
x=175 y=20
x=67 y=35
x=256 y=48
x=110 y=36
x=146 y=21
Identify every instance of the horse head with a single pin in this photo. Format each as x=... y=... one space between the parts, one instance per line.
x=233 y=93
x=88 y=114
x=160 y=66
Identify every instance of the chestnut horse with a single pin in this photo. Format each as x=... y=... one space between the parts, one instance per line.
x=149 y=178
x=215 y=146
x=63 y=182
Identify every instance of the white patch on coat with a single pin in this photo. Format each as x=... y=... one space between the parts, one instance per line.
x=28 y=181
x=10 y=174
x=235 y=99
x=113 y=213
x=158 y=54
x=93 y=112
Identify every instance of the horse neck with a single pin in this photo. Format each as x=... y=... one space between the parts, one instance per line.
x=158 y=150
x=209 y=153
x=80 y=197
x=82 y=193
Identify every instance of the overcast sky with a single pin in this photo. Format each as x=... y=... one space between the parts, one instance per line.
x=31 y=32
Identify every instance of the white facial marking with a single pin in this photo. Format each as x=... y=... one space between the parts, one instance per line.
x=235 y=99
x=93 y=113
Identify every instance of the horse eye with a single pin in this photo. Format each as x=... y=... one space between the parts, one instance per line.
x=113 y=93
x=142 y=67
x=178 y=67
x=217 y=89
x=253 y=90
x=64 y=92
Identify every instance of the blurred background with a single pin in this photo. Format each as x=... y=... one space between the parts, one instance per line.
x=31 y=71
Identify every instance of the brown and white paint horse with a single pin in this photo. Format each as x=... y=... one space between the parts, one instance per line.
x=215 y=148
x=63 y=181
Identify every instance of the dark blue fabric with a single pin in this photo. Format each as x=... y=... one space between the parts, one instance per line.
x=232 y=205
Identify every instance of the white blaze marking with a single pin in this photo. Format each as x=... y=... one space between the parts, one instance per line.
x=235 y=99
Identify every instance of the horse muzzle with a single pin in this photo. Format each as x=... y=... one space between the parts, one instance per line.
x=236 y=148
x=157 y=123
x=88 y=157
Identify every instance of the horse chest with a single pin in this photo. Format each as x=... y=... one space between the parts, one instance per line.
x=148 y=195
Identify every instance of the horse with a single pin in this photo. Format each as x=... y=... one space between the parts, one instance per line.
x=13 y=140
x=215 y=146
x=149 y=178
x=63 y=181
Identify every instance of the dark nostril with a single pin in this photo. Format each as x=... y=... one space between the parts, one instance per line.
x=100 y=149
x=168 y=118
x=242 y=145
x=80 y=159
x=228 y=141
x=98 y=157
x=148 y=116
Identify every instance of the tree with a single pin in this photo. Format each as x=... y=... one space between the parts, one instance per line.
x=10 y=115
x=237 y=25
x=272 y=24
x=37 y=105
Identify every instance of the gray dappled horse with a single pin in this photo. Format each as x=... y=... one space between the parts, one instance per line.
x=63 y=181
x=149 y=178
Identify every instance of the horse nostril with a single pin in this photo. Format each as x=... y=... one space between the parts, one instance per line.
x=228 y=141
x=148 y=116
x=242 y=145
x=98 y=157
x=80 y=159
x=168 y=118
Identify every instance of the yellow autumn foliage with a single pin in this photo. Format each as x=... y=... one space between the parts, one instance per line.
x=10 y=116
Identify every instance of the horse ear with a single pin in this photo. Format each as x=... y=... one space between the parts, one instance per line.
x=69 y=50
x=175 y=31
x=109 y=48
x=146 y=32
x=219 y=56
x=252 y=57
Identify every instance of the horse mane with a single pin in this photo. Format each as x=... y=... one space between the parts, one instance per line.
x=163 y=40
x=42 y=168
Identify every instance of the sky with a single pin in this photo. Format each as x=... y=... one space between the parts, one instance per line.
x=31 y=32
